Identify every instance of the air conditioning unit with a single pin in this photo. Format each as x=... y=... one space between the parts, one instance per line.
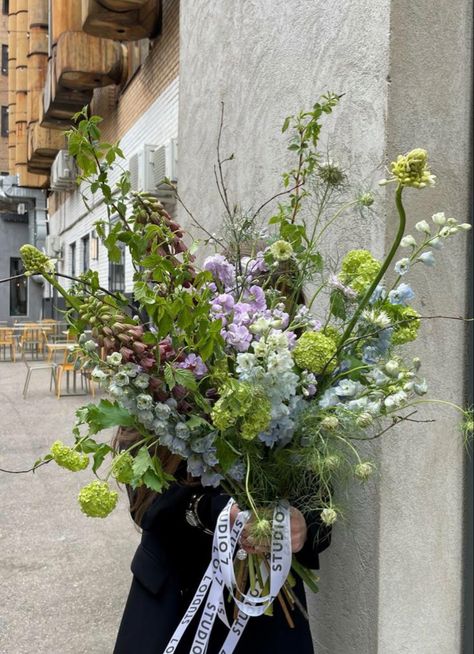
x=52 y=245
x=64 y=172
x=150 y=165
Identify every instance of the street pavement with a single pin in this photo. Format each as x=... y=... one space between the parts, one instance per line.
x=64 y=577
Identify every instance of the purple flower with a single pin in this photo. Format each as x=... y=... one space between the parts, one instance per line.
x=223 y=302
x=255 y=266
x=242 y=313
x=211 y=478
x=195 y=364
x=221 y=269
x=347 y=291
x=291 y=336
x=256 y=298
x=238 y=336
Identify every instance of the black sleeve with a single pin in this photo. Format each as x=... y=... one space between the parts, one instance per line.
x=210 y=505
x=318 y=539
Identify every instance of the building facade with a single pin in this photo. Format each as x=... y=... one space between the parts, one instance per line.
x=394 y=579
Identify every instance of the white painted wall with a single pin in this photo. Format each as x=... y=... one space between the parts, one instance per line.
x=73 y=221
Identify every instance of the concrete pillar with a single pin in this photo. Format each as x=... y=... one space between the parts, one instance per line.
x=391 y=581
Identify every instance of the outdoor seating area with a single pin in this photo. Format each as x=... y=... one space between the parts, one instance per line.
x=46 y=345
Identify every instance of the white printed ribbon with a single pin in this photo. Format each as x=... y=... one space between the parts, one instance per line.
x=220 y=573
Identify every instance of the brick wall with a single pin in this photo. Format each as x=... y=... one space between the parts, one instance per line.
x=160 y=68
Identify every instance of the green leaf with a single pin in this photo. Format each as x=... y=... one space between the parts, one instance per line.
x=338 y=304
x=157 y=482
x=106 y=414
x=142 y=462
x=99 y=455
x=286 y=124
x=225 y=454
x=185 y=378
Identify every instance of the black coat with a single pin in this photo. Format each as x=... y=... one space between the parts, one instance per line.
x=167 y=567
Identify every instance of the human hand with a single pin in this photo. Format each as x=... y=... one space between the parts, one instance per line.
x=299 y=533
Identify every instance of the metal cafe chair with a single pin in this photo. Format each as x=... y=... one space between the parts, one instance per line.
x=72 y=364
x=37 y=365
x=31 y=339
x=7 y=340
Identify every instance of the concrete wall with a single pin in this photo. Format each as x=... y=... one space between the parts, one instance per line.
x=391 y=581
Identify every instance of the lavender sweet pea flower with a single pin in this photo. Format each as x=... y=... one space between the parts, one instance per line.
x=221 y=269
x=403 y=294
x=242 y=313
x=253 y=267
x=238 y=336
x=195 y=364
x=347 y=291
x=256 y=298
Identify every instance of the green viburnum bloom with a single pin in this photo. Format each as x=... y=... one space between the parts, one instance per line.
x=35 y=261
x=68 y=458
x=244 y=406
x=281 y=250
x=122 y=468
x=411 y=169
x=314 y=351
x=97 y=499
x=358 y=269
x=405 y=323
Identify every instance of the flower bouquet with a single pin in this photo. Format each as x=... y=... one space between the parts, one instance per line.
x=263 y=368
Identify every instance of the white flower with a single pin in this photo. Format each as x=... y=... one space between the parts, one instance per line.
x=408 y=241
x=465 y=227
x=395 y=400
x=114 y=359
x=427 y=258
x=281 y=250
x=421 y=387
x=402 y=266
x=436 y=243
x=142 y=381
x=98 y=375
x=260 y=326
x=392 y=368
x=423 y=227
x=328 y=516
x=376 y=318
x=439 y=218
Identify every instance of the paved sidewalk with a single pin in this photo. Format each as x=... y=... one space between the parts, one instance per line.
x=64 y=577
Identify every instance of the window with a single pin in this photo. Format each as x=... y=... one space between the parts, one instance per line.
x=18 y=289
x=4 y=119
x=72 y=256
x=4 y=59
x=117 y=272
x=5 y=7
x=85 y=253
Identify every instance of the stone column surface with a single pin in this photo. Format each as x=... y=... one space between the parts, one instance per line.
x=391 y=581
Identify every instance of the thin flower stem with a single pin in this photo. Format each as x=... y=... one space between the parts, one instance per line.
x=383 y=269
